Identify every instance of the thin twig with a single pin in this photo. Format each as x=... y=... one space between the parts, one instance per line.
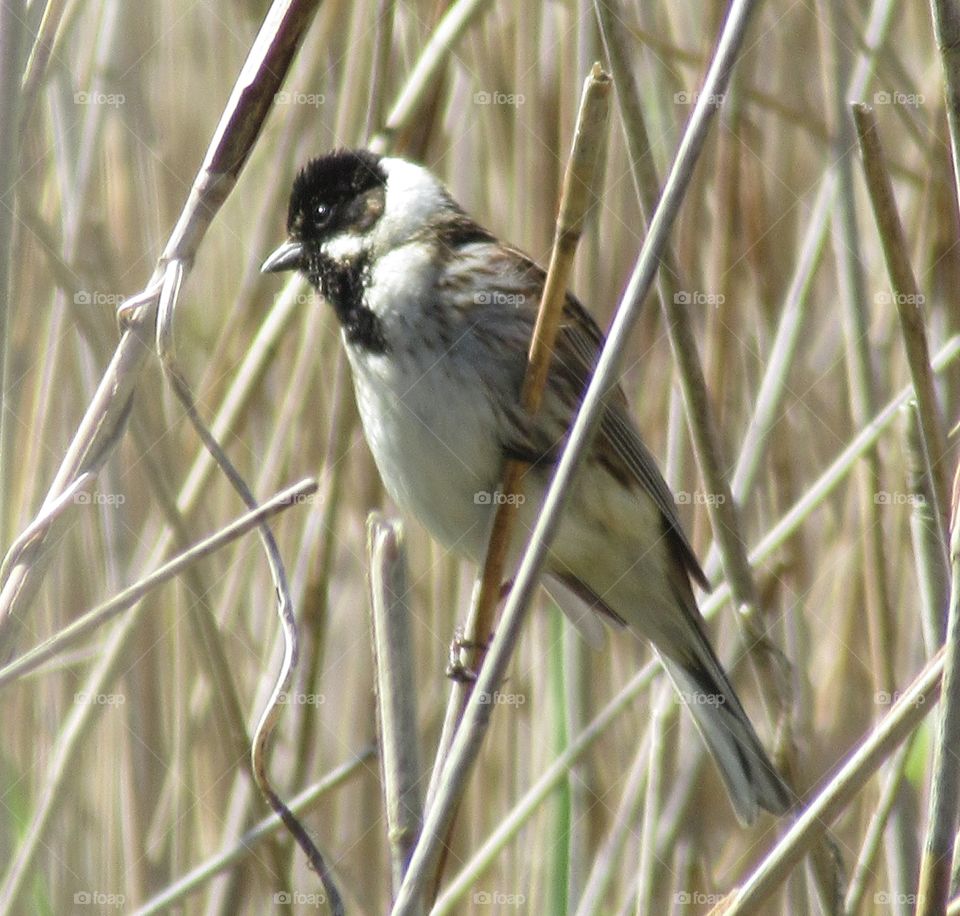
x=933 y=578
x=946 y=28
x=558 y=770
x=831 y=478
x=13 y=36
x=604 y=861
x=865 y=867
x=721 y=506
x=939 y=848
x=934 y=884
x=835 y=35
x=40 y=526
x=575 y=201
x=208 y=646
x=40 y=55
x=102 y=425
x=95 y=618
x=661 y=701
x=861 y=386
x=905 y=715
x=773 y=388
x=173 y=278
x=422 y=79
x=243 y=846
x=909 y=301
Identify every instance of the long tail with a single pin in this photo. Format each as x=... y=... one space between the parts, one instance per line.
x=677 y=632
x=751 y=779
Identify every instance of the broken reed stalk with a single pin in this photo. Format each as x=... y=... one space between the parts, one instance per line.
x=393 y=659
x=575 y=201
x=576 y=198
x=908 y=300
x=934 y=886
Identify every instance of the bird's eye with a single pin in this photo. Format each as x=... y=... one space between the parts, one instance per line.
x=323 y=214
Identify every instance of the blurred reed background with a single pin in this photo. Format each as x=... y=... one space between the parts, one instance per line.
x=154 y=785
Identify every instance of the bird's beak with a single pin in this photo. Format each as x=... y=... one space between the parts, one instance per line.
x=289 y=256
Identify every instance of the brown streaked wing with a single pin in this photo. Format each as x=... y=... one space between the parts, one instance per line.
x=620 y=448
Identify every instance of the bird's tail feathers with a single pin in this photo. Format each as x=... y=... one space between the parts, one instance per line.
x=750 y=777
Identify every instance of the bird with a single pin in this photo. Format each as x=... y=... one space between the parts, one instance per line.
x=436 y=314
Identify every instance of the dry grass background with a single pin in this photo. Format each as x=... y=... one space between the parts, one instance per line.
x=155 y=787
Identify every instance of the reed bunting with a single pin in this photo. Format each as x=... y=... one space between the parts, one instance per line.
x=436 y=316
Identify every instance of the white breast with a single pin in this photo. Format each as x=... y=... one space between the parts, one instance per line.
x=429 y=424
x=430 y=438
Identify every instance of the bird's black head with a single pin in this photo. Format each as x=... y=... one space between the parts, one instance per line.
x=339 y=194
x=351 y=211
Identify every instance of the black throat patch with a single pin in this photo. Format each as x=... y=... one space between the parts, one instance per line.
x=342 y=285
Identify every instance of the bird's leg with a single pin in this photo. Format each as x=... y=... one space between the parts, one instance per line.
x=457 y=670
